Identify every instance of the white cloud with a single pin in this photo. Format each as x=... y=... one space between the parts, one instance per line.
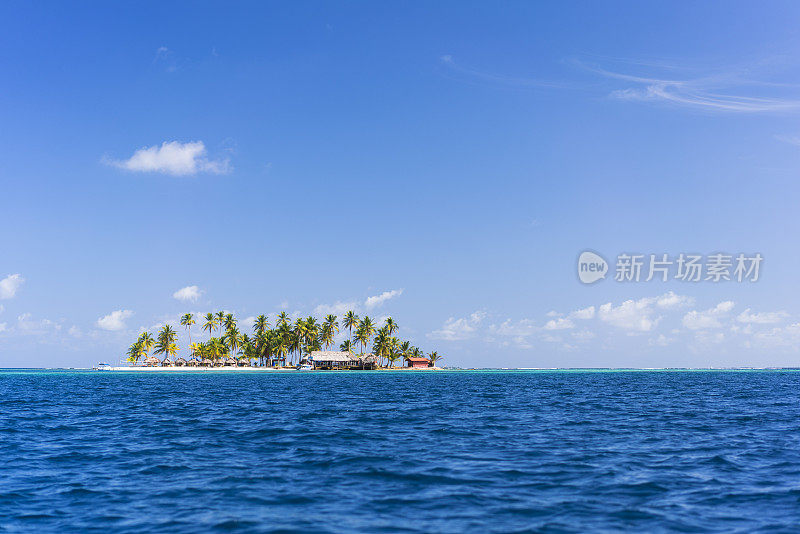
x=641 y=315
x=3 y=327
x=338 y=308
x=660 y=341
x=26 y=325
x=459 y=329
x=247 y=323
x=585 y=313
x=508 y=328
x=172 y=157
x=9 y=285
x=671 y=300
x=788 y=336
x=74 y=331
x=377 y=300
x=761 y=318
x=188 y=294
x=700 y=320
x=559 y=324
x=114 y=320
x=630 y=315
x=583 y=335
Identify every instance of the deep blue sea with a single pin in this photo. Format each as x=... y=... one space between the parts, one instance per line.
x=560 y=451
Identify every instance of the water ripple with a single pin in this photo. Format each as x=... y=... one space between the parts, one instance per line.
x=421 y=452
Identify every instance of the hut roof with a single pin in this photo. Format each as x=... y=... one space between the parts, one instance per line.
x=412 y=359
x=331 y=356
x=232 y=361
x=180 y=360
x=151 y=360
x=206 y=361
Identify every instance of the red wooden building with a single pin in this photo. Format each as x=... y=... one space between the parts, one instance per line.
x=418 y=362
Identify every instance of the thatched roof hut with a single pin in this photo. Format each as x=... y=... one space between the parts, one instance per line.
x=193 y=362
x=230 y=361
x=180 y=362
x=368 y=361
x=151 y=361
x=329 y=359
x=205 y=362
x=330 y=356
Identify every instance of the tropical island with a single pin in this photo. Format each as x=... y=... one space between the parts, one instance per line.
x=298 y=344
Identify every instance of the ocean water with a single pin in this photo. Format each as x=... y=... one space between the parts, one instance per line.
x=400 y=452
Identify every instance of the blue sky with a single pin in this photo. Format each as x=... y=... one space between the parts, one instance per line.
x=454 y=157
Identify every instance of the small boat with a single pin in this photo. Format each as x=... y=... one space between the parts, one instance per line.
x=305 y=366
x=102 y=366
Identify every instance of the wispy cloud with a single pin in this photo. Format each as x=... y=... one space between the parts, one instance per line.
x=723 y=90
x=459 y=329
x=450 y=64
x=791 y=139
x=172 y=157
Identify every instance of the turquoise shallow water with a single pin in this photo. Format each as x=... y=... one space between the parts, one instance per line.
x=400 y=452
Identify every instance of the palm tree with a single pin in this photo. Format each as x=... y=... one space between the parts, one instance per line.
x=166 y=343
x=298 y=336
x=210 y=324
x=261 y=325
x=248 y=350
x=188 y=320
x=220 y=317
x=147 y=342
x=265 y=344
x=433 y=357
x=329 y=329
x=217 y=348
x=201 y=350
x=404 y=349
x=197 y=350
x=364 y=332
x=380 y=346
x=233 y=339
x=134 y=352
x=391 y=325
x=283 y=320
x=350 y=320
x=281 y=347
x=311 y=334
x=346 y=346
x=394 y=351
x=229 y=321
